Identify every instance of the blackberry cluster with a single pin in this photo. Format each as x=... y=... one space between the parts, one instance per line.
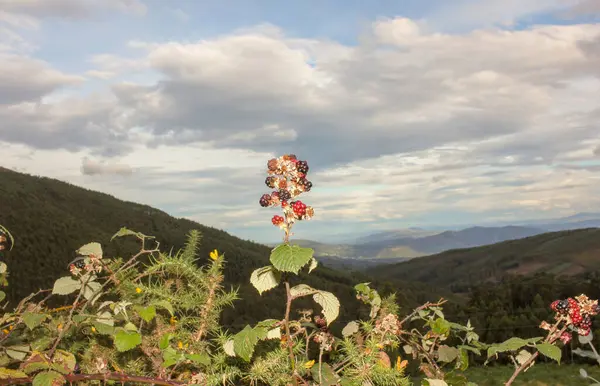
x=577 y=313
x=287 y=176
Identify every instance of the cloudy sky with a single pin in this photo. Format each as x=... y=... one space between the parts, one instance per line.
x=409 y=112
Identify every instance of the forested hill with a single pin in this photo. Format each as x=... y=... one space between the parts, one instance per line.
x=568 y=253
x=51 y=219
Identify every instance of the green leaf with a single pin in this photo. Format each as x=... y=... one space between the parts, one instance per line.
x=274 y=333
x=584 y=353
x=290 y=258
x=228 y=348
x=586 y=339
x=244 y=343
x=91 y=249
x=583 y=373
x=103 y=328
x=18 y=352
x=447 y=353
x=330 y=304
x=328 y=377
x=8 y=373
x=436 y=382
x=550 y=351
x=32 y=320
x=2 y=295
x=350 y=328
x=65 y=286
x=171 y=357
x=48 y=378
x=42 y=343
x=164 y=341
x=463 y=360
x=512 y=344
x=166 y=305
x=302 y=290
x=147 y=313
x=201 y=359
x=126 y=340
x=313 y=264
x=523 y=356
x=130 y=327
x=265 y=278
x=65 y=361
x=3 y=267
x=441 y=326
x=91 y=289
x=123 y=232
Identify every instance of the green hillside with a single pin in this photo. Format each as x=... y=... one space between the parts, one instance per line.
x=564 y=253
x=358 y=251
x=51 y=219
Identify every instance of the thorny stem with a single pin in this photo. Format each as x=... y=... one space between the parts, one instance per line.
x=206 y=308
x=422 y=307
x=553 y=335
x=69 y=318
x=286 y=324
x=119 y=377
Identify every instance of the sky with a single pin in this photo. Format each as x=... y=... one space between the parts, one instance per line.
x=410 y=113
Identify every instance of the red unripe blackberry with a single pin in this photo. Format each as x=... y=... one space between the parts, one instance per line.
x=271 y=181
x=586 y=322
x=302 y=167
x=265 y=200
x=299 y=208
x=553 y=305
x=272 y=164
x=284 y=204
x=284 y=195
x=292 y=157
x=277 y=220
x=573 y=303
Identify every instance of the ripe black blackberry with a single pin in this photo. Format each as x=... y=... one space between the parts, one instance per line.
x=271 y=181
x=265 y=200
x=79 y=264
x=284 y=195
x=563 y=306
x=306 y=184
x=302 y=166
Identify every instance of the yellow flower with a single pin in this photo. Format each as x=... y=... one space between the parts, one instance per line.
x=180 y=345
x=60 y=326
x=138 y=290
x=214 y=255
x=5 y=331
x=309 y=364
x=173 y=320
x=401 y=364
x=93 y=329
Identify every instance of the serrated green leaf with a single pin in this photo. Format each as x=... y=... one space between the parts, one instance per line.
x=48 y=378
x=523 y=356
x=91 y=290
x=123 y=232
x=328 y=376
x=103 y=328
x=228 y=348
x=274 y=333
x=65 y=360
x=8 y=373
x=302 y=290
x=244 y=343
x=91 y=249
x=447 y=353
x=586 y=339
x=436 y=382
x=290 y=258
x=550 y=351
x=126 y=340
x=166 y=305
x=42 y=343
x=35 y=366
x=350 y=328
x=65 y=286
x=164 y=341
x=440 y=326
x=171 y=357
x=463 y=360
x=329 y=303
x=32 y=320
x=130 y=327
x=201 y=359
x=265 y=278
x=147 y=313
x=18 y=352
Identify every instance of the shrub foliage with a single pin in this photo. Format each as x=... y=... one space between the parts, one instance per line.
x=153 y=318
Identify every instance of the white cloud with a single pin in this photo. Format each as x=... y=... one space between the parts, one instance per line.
x=489 y=121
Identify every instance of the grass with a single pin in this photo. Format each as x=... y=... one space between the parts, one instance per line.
x=538 y=375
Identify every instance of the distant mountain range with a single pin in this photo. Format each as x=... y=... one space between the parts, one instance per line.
x=399 y=245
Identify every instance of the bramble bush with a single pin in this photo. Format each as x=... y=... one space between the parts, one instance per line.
x=153 y=318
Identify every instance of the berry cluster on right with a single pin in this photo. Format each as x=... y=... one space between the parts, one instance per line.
x=577 y=313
